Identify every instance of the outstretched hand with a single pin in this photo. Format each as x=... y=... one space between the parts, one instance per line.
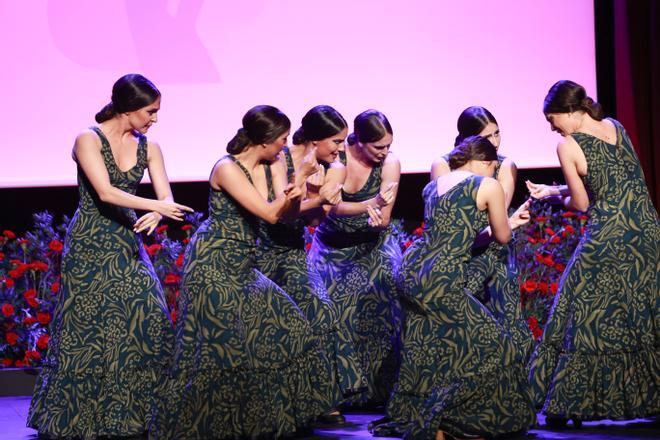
x=521 y=216
x=375 y=217
x=539 y=190
x=148 y=222
x=331 y=193
x=310 y=165
x=387 y=195
x=172 y=210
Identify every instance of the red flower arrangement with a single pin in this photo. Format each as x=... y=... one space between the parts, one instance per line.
x=541 y=250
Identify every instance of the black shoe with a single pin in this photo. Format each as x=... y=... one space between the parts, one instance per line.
x=332 y=419
x=375 y=423
x=556 y=422
x=391 y=429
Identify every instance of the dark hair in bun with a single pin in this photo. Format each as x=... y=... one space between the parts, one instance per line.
x=129 y=93
x=472 y=121
x=369 y=126
x=472 y=148
x=566 y=96
x=321 y=122
x=261 y=125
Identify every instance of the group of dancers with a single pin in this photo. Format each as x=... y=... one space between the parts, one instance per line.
x=271 y=338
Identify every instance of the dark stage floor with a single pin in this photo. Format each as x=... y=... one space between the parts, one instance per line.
x=13 y=412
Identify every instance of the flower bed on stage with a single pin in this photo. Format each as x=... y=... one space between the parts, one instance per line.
x=30 y=272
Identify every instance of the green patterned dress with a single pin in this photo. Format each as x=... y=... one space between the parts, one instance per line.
x=359 y=266
x=111 y=337
x=281 y=256
x=600 y=352
x=246 y=361
x=460 y=370
x=490 y=278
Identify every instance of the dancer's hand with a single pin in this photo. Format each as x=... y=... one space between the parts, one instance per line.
x=172 y=210
x=292 y=192
x=331 y=195
x=386 y=196
x=309 y=165
x=375 y=217
x=148 y=222
x=315 y=181
x=521 y=216
x=540 y=190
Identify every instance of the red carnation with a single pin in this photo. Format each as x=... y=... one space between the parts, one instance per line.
x=33 y=302
x=185 y=241
x=407 y=244
x=537 y=332
x=43 y=318
x=548 y=260
x=55 y=287
x=39 y=265
x=531 y=240
x=568 y=214
x=554 y=287
x=29 y=320
x=311 y=229
x=18 y=272
x=20 y=363
x=418 y=232
x=555 y=239
x=179 y=261
x=160 y=229
x=541 y=219
x=33 y=355
x=11 y=337
x=23 y=241
x=170 y=278
x=532 y=322
x=308 y=246
x=30 y=294
x=560 y=267
x=529 y=286
x=7 y=362
x=543 y=287
x=153 y=249
x=42 y=342
x=186 y=227
x=583 y=218
x=549 y=231
x=7 y=310
x=9 y=283
x=56 y=246
x=7 y=233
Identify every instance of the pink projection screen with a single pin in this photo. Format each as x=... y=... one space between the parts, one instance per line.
x=421 y=62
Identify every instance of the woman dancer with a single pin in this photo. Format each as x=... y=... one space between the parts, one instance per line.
x=111 y=336
x=358 y=259
x=460 y=374
x=281 y=253
x=489 y=276
x=599 y=356
x=246 y=361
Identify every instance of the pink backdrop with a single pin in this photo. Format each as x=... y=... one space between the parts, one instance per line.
x=420 y=62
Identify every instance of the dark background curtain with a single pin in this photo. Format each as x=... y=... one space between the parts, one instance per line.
x=628 y=59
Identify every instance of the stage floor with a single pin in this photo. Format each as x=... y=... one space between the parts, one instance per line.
x=13 y=412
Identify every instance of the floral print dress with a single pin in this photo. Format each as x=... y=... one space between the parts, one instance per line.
x=111 y=336
x=600 y=352
x=246 y=361
x=281 y=256
x=359 y=266
x=460 y=370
